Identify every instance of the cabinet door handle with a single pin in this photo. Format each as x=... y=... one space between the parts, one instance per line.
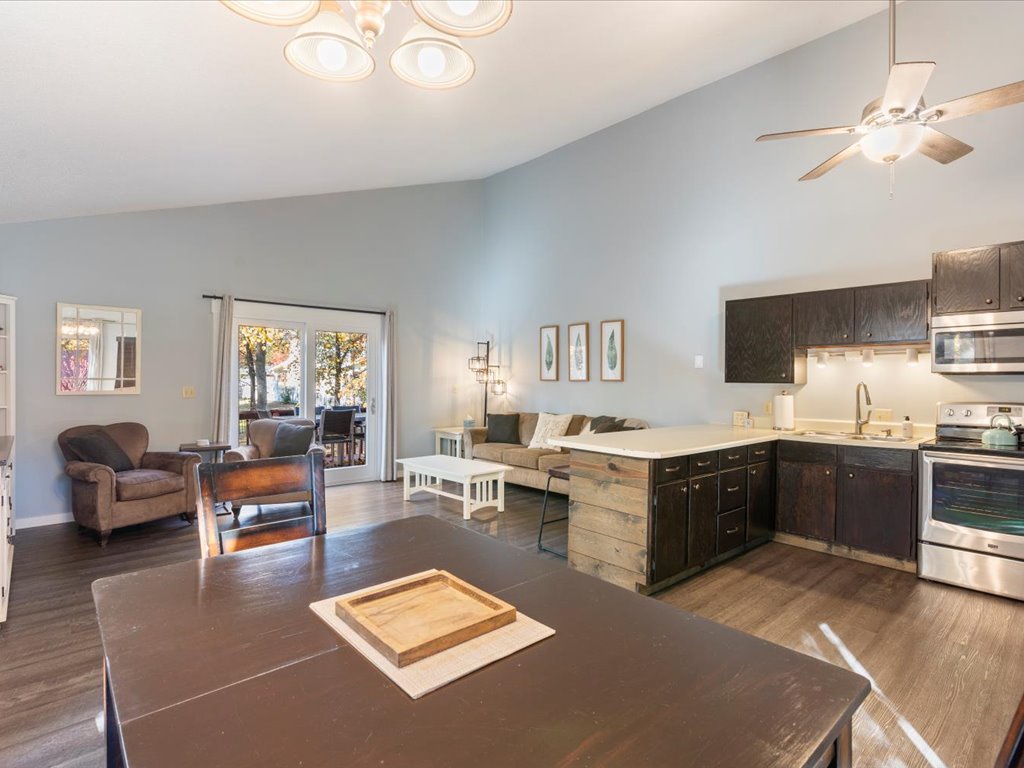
x=846 y=335
x=671 y=469
x=988 y=301
x=696 y=486
x=868 y=334
x=759 y=453
x=733 y=530
x=733 y=458
x=733 y=489
x=753 y=471
x=828 y=471
x=851 y=474
x=1020 y=298
x=703 y=463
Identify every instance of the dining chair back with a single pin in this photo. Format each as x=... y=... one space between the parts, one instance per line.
x=267 y=524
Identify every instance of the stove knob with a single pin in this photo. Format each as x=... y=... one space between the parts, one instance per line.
x=949 y=411
x=967 y=411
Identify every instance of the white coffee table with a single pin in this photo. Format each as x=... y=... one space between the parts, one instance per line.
x=425 y=473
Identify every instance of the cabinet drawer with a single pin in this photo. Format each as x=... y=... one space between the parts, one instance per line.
x=676 y=468
x=732 y=489
x=732 y=530
x=704 y=463
x=815 y=453
x=732 y=457
x=893 y=459
x=760 y=452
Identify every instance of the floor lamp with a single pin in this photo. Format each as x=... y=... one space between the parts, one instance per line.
x=486 y=374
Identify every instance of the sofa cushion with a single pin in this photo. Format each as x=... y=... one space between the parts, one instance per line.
x=503 y=428
x=146 y=483
x=492 y=451
x=292 y=439
x=576 y=424
x=527 y=425
x=549 y=425
x=100 y=448
x=527 y=458
x=550 y=460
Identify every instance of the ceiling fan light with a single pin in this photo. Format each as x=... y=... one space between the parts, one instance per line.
x=464 y=18
x=430 y=59
x=329 y=48
x=892 y=142
x=277 y=13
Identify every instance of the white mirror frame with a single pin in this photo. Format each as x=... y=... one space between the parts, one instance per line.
x=137 y=389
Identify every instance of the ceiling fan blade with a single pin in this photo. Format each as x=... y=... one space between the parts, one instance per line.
x=906 y=85
x=832 y=162
x=941 y=147
x=995 y=98
x=811 y=132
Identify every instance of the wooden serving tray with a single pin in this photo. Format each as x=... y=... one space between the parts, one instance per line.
x=416 y=617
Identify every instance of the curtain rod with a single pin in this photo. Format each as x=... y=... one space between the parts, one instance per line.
x=302 y=306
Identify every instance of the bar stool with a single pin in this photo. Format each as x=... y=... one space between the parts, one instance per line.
x=559 y=473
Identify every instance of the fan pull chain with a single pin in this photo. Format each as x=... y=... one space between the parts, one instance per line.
x=892 y=179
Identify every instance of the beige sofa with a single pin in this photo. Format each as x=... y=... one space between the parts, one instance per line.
x=529 y=465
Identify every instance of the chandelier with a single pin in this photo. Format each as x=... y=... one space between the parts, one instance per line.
x=330 y=47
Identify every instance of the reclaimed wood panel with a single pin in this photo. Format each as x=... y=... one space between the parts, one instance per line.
x=624 y=554
x=621 y=498
x=604 y=571
x=618 y=525
x=621 y=470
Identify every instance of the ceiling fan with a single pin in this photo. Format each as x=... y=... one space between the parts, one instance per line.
x=899 y=123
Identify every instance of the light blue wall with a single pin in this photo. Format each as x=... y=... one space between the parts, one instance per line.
x=412 y=248
x=662 y=217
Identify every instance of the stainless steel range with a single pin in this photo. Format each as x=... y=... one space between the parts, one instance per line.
x=972 y=502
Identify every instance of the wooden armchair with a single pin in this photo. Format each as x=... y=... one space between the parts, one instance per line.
x=150 y=486
x=288 y=477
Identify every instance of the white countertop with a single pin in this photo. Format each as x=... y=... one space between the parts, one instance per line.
x=666 y=442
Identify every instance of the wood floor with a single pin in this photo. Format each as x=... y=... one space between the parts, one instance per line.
x=946 y=663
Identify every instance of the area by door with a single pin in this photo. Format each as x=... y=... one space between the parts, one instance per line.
x=319 y=364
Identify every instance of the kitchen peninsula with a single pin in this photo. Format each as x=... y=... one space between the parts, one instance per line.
x=648 y=508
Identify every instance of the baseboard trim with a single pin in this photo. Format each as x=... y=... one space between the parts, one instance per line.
x=841 y=550
x=41 y=520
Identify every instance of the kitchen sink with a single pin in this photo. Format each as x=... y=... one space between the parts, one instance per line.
x=853 y=436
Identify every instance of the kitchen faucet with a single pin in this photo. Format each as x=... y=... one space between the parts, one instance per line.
x=860 y=422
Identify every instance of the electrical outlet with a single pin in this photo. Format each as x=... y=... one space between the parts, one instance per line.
x=739 y=418
x=188 y=392
x=881 y=414
x=767 y=407
x=698 y=361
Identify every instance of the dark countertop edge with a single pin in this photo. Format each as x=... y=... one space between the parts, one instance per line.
x=6 y=447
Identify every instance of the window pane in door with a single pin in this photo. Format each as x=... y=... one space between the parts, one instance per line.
x=341 y=372
x=987 y=498
x=269 y=374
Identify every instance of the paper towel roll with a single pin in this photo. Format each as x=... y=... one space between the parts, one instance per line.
x=782 y=412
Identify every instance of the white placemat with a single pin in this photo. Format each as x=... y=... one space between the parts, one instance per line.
x=422 y=677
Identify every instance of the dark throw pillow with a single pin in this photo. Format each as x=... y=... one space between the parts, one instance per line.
x=600 y=421
x=291 y=440
x=615 y=425
x=99 y=448
x=502 y=428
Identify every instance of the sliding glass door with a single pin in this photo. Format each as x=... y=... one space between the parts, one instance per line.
x=317 y=364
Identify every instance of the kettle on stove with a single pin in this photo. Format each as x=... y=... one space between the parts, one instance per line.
x=999 y=436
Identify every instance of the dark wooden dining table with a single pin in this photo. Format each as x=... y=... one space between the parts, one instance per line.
x=220 y=662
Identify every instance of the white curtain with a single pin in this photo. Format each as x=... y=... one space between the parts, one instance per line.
x=222 y=370
x=389 y=390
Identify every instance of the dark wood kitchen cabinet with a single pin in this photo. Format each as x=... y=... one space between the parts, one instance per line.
x=759 y=342
x=671 y=512
x=806 y=490
x=760 y=501
x=1011 y=259
x=823 y=318
x=966 y=280
x=877 y=499
x=893 y=313
x=703 y=522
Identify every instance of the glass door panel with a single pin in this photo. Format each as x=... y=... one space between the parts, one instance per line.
x=270 y=372
x=988 y=498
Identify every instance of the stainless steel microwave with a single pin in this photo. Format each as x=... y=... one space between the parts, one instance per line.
x=991 y=342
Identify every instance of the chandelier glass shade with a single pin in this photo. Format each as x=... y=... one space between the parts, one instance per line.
x=892 y=142
x=464 y=18
x=328 y=47
x=431 y=59
x=277 y=13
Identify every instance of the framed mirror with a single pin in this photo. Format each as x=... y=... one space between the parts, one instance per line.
x=99 y=350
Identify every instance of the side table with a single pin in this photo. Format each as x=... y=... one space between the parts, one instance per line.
x=216 y=450
x=448 y=441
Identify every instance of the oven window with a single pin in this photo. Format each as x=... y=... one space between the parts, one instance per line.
x=987 y=498
x=1004 y=345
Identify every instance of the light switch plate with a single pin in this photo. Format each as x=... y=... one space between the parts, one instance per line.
x=698 y=361
x=188 y=392
x=739 y=418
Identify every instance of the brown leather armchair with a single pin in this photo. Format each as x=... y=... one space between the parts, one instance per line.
x=160 y=484
x=261 y=434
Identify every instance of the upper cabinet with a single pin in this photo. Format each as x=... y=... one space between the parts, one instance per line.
x=896 y=313
x=966 y=281
x=1012 y=260
x=823 y=318
x=759 y=342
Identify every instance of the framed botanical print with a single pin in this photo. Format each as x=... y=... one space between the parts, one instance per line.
x=579 y=352
x=613 y=350
x=549 y=353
